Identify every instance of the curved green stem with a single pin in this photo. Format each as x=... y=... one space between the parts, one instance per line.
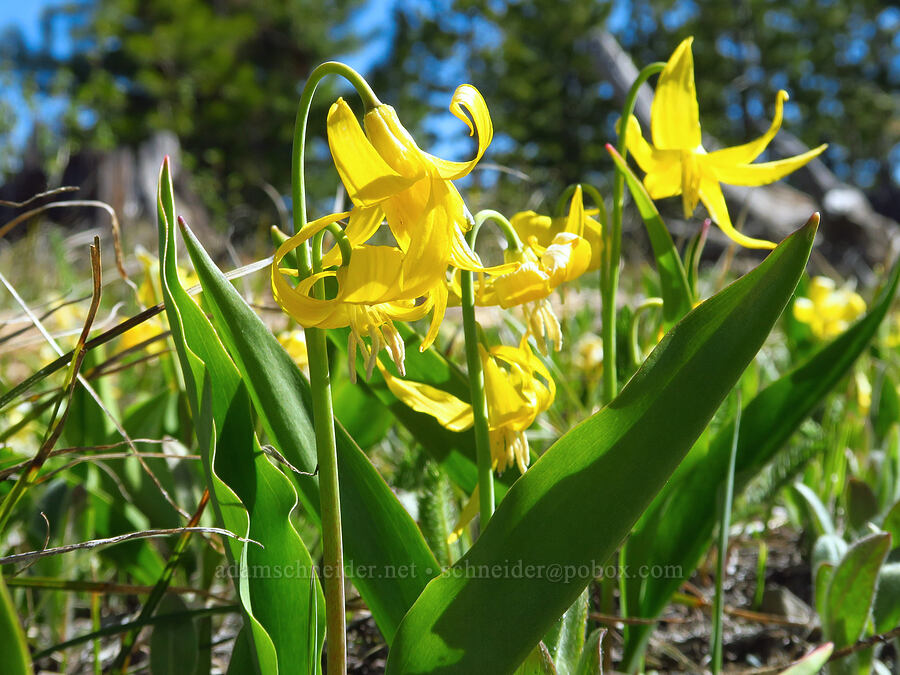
x=513 y=243
x=343 y=243
x=635 y=345
x=320 y=378
x=612 y=236
x=476 y=383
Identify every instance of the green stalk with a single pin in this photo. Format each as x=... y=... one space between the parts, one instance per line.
x=473 y=363
x=612 y=250
x=329 y=499
x=724 y=526
x=476 y=388
x=320 y=381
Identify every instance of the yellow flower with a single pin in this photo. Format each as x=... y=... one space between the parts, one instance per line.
x=517 y=386
x=677 y=163
x=538 y=271
x=863 y=392
x=365 y=298
x=589 y=355
x=383 y=169
x=828 y=311
x=534 y=228
x=294 y=343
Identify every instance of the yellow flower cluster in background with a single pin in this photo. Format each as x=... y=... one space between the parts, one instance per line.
x=828 y=310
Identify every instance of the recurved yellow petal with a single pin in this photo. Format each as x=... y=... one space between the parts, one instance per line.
x=746 y=153
x=674 y=113
x=449 y=411
x=764 y=173
x=714 y=201
x=469 y=106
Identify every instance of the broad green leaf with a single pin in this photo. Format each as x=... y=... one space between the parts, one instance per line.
x=677 y=529
x=822 y=574
x=563 y=519
x=385 y=554
x=852 y=590
x=818 y=513
x=565 y=640
x=539 y=662
x=862 y=504
x=591 y=661
x=673 y=281
x=173 y=644
x=891 y=524
x=250 y=496
x=886 y=610
x=829 y=548
x=811 y=663
x=14 y=655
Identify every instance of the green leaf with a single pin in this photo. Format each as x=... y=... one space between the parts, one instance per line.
x=250 y=496
x=563 y=519
x=891 y=524
x=677 y=529
x=539 y=662
x=591 y=661
x=818 y=513
x=673 y=281
x=14 y=655
x=811 y=663
x=823 y=573
x=862 y=504
x=886 y=610
x=385 y=554
x=565 y=640
x=852 y=590
x=173 y=644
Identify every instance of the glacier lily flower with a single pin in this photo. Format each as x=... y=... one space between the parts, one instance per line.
x=366 y=297
x=518 y=388
x=828 y=310
x=538 y=270
x=677 y=163
x=534 y=228
x=383 y=168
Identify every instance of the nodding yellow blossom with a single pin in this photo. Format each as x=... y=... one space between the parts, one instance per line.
x=294 y=343
x=828 y=310
x=384 y=169
x=535 y=229
x=364 y=298
x=538 y=271
x=388 y=178
x=518 y=387
x=589 y=355
x=677 y=163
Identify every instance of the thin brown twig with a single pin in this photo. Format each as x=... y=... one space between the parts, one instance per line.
x=82 y=586
x=112 y=455
x=864 y=643
x=40 y=195
x=611 y=619
x=114 y=222
x=143 y=534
